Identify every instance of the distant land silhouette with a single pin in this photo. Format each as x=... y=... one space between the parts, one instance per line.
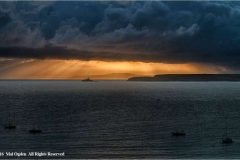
x=108 y=76
x=189 y=77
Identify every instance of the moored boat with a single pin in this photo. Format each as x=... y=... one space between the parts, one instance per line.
x=226 y=139
x=9 y=125
x=35 y=130
x=177 y=133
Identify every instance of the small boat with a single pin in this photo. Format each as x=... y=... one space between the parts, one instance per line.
x=177 y=133
x=87 y=80
x=9 y=125
x=226 y=139
x=35 y=130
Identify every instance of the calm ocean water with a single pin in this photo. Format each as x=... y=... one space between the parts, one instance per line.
x=121 y=119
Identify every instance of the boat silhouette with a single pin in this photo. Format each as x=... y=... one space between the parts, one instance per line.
x=35 y=130
x=9 y=125
x=226 y=139
x=177 y=133
x=87 y=80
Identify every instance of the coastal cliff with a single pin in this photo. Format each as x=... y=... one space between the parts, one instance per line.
x=189 y=77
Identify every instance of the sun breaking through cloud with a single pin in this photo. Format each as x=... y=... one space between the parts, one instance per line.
x=60 y=39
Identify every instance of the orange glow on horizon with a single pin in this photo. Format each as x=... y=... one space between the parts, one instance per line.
x=76 y=69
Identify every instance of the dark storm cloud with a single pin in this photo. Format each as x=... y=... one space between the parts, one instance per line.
x=5 y=17
x=170 y=32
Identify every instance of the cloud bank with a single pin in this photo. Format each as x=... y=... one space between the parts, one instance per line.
x=166 y=32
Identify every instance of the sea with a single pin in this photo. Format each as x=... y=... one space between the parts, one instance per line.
x=120 y=119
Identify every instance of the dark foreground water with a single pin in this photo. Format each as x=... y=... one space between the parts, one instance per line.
x=121 y=119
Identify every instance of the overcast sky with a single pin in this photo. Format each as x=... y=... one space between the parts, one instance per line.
x=161 y=32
